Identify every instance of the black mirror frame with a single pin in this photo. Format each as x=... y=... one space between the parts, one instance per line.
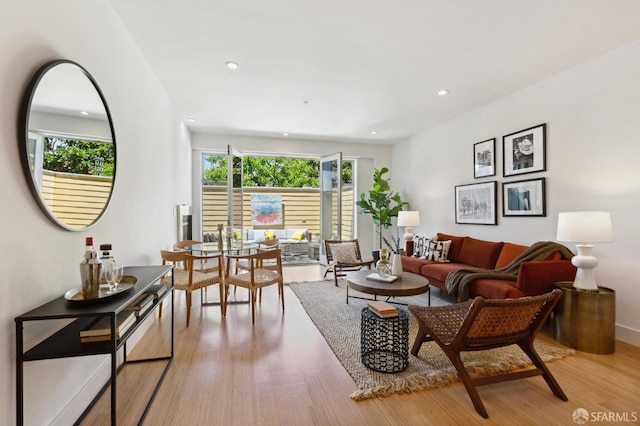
x=23 y=136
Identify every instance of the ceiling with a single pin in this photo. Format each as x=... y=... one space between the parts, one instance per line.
x=342 y=69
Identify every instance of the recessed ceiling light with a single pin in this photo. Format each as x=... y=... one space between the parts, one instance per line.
x=84 y=113
x=191 y=120
x=232 y=65
x=373 y=132
x=285 y=134
x=443 y=92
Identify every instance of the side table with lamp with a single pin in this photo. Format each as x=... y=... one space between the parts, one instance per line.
x=585 y=317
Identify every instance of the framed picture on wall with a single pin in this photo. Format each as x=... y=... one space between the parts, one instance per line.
x=524 y=151
x=524 y=198
x=476 y=203
x=484 y=158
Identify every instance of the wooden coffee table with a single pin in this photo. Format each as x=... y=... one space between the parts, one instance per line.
x=408 y=284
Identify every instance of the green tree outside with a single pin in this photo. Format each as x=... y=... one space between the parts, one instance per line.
x=78 y=156
x=274 y=172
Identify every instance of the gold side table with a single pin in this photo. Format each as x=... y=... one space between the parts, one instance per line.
x=585 y=320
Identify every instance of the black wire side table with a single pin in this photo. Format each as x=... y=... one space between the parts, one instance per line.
x=384 y=342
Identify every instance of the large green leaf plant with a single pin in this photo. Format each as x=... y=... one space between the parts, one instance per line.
x=382 y=203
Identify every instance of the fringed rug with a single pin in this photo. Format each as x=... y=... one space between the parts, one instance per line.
x=339 y=323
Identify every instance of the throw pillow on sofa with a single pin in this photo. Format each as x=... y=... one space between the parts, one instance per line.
x=420 y=247
x=269 y=235
x=298 y=236
x=438 y=251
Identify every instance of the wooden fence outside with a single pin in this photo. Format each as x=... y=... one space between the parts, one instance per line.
x=76 y=200
x=301 y=208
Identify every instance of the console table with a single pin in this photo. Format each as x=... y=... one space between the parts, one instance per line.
x=65 y=343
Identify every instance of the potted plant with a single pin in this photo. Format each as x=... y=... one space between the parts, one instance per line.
x=382 y=203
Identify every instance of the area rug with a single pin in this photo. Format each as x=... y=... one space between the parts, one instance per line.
x=339 y=323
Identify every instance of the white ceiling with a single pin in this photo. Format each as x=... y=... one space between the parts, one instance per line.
x=361 y=65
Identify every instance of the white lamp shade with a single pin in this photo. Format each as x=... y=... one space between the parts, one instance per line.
x=585 y=227
x=409 y=218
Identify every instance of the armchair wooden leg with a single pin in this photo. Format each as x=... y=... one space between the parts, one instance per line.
x=417 y=344
x=188 y=297
x=281 y=291
x=548 y=377
x=468 y=384
x=222 y=307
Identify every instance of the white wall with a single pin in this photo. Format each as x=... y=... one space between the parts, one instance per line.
x=593 y=129
x=369 y=156
x=39 y=260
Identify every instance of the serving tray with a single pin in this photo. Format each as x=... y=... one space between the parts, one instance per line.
x=75 y=294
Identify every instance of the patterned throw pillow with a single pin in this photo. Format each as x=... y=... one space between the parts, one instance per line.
x=438 y=250
x=344 y=253
x=418 y=246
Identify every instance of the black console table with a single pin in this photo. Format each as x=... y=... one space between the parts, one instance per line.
x=66 y=343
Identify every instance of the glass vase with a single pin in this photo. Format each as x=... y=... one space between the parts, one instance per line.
x=383 y=265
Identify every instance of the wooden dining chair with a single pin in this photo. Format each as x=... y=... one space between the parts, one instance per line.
x=190 y=278
x=343 y=256
x=480 y=324
x=259 y=275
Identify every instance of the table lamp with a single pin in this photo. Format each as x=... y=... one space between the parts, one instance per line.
x=584 y=228
x=408 y=219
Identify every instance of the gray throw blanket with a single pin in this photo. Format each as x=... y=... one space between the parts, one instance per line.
x=458 y=282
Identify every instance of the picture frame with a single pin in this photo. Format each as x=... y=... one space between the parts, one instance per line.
x=476 y=203
x=524 y=198
x=525 y=151
x=484 y=158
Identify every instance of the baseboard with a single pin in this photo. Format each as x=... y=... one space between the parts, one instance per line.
x=628 y=335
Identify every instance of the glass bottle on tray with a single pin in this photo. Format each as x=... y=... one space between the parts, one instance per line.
x=90 y=268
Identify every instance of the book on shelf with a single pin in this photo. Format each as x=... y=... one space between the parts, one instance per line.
x=382 y=309
x=376 y=277
x=157 y=290
x=142 y=304
x=101 y=330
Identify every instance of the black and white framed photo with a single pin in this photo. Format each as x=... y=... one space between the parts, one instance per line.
x=524 y=198
x=476 y=203
x=524 y=151
x=484 y=158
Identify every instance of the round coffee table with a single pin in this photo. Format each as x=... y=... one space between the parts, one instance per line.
x=408 y=284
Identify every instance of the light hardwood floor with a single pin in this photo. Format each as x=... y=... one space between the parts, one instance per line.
x=282 y=372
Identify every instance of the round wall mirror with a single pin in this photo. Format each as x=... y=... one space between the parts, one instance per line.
x=67 y=145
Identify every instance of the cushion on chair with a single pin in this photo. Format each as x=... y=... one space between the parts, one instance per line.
x=344 y=253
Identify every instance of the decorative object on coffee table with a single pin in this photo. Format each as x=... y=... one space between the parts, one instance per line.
x=524 y=151
x=584 y=228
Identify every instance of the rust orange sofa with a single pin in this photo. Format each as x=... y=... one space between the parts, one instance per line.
x=535 y=277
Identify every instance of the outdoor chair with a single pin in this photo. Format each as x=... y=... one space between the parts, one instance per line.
x=188 y=278
x=260 y=274
x=481 y=324
x=343 y=256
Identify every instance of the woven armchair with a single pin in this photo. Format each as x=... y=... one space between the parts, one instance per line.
x=343 y=256
x=481 y=324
